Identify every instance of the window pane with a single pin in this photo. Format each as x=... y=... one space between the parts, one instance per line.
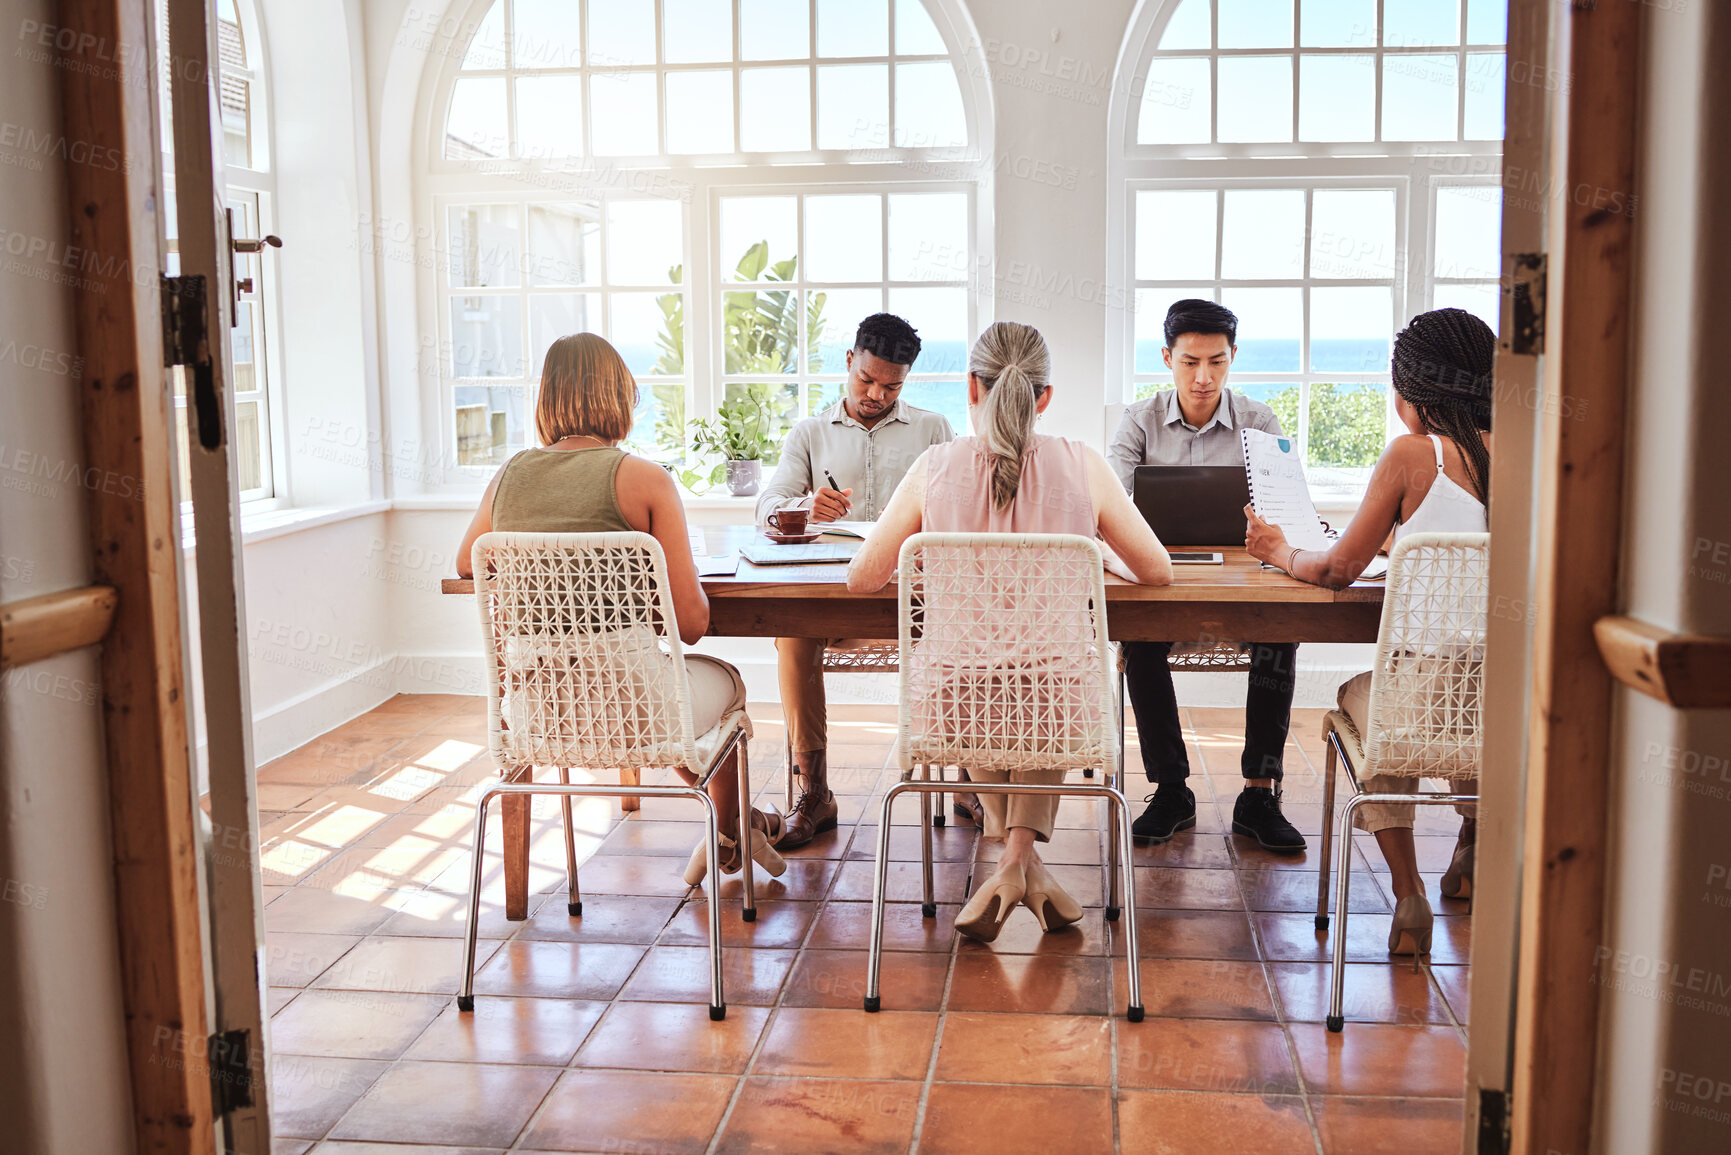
x=699 y=112
x=645 y=240
x=658 y=425
x=1482 y=301
x=1175 y=235
x=624 y=113
x=476 y=124
x=784 y=402
x=1188 y=27
x=1175 y=103
x=853 y=28
x=1337 y=24
x=697 y=31
x=916 y=35
x=941 y=316
x=842 y=311
x=1270 y=329
x=1256 y=23
x=1281 y=397
x=1348 y=424
x=1469 y=231
x=1350 y=330
x=929 y=106
x=760 y=331
x=1352 y=233
x=1256 y=98
x=1264 y=234
x=775 y=109
x=1418 y=97
x=549 y=116
x=1487 y=21
x=1151 y=308
x=248 y=448
x=487 y=49
x=844 y=238
x=853 y=106
x=556 y=315
x=564 y=245
x=949 y=398
x=748 y=221
x=491 y=421
x=1337 y=98
x=621 y=32
x=487 y=336
x=774 y=30
x=545 y=34
x=928 y=236
x=1485 y=88
x=245 y=354
x=484 y=246
x=643 y=332
x=1411 y=23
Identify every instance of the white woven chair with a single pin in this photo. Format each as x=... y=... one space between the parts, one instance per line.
x=575 y=626
x=1424 y=719
x=1004 y=666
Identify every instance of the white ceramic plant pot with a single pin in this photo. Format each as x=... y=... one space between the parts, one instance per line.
x=743 y=476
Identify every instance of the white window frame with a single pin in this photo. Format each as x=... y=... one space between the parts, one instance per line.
x=699 y=182
x=1415 y=169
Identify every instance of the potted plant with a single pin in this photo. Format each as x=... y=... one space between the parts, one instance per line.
x=741 y=436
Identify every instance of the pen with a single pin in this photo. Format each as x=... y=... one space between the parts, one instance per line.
x=830 y=477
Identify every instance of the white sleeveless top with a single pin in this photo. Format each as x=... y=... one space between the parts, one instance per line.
x=1447 y=508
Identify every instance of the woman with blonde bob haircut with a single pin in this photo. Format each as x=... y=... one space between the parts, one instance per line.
x=580 y=481
x=1009 y=479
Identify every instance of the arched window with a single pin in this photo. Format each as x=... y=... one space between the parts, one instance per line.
x=1324 y=168
x=722 y=188
x=242 y=107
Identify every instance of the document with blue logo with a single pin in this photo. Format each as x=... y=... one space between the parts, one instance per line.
x=1278 y=491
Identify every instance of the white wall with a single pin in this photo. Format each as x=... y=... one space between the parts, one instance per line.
x=63 y=1077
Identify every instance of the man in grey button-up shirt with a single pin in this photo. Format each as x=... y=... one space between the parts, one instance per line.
x=866 y=442
x=1197 y=423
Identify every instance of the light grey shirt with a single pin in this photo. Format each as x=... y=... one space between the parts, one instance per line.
x=872 y=462
x=1154 y=432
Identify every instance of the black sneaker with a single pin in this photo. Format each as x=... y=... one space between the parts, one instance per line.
x=1257 y=815
x=1171 y=808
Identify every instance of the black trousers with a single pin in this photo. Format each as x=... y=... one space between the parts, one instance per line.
x=1267 y=709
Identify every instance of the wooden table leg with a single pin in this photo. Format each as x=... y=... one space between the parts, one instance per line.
x=630 y=776
x=514 y=816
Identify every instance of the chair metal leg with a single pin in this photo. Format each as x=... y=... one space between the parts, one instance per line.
x=928 y=902
x=1342 y=896
x=880 y=884
x=938 y=818
x=573 y=896
x=466 y=993
x=747 y=865
x=1132 y=951
x=1116 y=849
x=790 y=770
x=1330 y=769
x=712 y=832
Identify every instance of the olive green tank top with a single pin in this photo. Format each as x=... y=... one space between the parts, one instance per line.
x=560 y=491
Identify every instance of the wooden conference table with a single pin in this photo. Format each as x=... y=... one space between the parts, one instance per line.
x=1238 y=600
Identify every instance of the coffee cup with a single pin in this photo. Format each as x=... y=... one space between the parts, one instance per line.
x=788 y=522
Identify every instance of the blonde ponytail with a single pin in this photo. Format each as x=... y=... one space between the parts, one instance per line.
x=1012 y=365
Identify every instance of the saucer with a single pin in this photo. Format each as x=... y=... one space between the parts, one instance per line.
x=793 y=538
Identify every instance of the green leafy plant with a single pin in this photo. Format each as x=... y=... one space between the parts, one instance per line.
x=744 y=428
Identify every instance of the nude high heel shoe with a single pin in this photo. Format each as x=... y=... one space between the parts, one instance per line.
x=1410 y=931
x=983 y=917
x=765 y=829
x=1051 y=903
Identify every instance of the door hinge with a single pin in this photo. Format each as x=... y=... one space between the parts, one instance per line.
x=186 y=342
x=1528 y=280
x=231 y=1071
x=1494 y=1138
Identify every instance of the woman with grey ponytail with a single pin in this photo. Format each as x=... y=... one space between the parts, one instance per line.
x=1009 y=479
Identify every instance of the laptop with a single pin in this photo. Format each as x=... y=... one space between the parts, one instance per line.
x=1193 y=504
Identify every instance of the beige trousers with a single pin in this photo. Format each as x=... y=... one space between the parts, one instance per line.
x=1354 y=699
x=1035 y=811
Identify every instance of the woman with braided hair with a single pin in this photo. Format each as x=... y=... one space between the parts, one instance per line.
x=1435 y=478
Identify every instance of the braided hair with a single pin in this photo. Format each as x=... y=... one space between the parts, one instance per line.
x=1442 y=367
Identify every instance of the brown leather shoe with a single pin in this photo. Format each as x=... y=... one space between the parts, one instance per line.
x=968 y=806
x=810 y=818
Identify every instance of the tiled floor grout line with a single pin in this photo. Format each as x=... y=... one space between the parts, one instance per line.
x=943 y=1016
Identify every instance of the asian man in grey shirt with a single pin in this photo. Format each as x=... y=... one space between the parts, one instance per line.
x=1197 y=423
x=865 y=443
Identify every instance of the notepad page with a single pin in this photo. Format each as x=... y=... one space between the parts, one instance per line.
x=1278 y=490
x=859 y=529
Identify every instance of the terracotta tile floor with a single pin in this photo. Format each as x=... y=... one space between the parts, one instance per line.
x=592 y=1034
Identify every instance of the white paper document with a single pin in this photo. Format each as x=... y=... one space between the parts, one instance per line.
x=857 y=529
x=1278 y=490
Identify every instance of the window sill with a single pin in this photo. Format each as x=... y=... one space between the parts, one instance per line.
x=265 y=524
